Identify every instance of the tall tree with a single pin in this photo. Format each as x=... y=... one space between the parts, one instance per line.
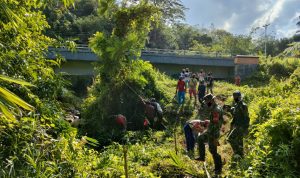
x=120 y=66
x=172 y=10
x=162 y=37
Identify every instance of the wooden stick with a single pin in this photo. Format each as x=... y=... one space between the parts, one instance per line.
x=175 y=139
x=125 y=161
x=206 y=171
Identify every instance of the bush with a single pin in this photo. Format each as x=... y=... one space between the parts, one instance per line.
x=280 y=68
x=122 y=96
x=274 y=143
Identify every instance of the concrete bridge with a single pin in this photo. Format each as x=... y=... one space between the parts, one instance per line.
x=171 y=62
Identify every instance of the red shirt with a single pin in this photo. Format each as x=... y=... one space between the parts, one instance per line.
x=181 y=85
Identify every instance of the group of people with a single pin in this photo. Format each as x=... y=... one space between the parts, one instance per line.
x=190 y=81
x=153 y=116
x=207 y=130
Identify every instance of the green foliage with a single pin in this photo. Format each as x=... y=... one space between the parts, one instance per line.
x=278 y=67
x=42 y=144
x=23 y=51
x=39 y=143
x=162 y=37
x=121 y=75
x=172 y=10
x=293 y=50
x=295 y=77
x=103 y=102
x=78 y=22
x=9 y=100
x=273 y=149
x=275 y=47
x=29 y=150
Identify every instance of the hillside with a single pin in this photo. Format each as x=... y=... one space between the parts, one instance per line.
x=41 y=134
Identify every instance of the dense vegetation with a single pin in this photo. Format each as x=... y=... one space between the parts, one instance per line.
x=36 y=141
x=81 y=21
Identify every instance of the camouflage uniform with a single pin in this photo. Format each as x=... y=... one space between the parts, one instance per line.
x=211 y=136
x=239 y=127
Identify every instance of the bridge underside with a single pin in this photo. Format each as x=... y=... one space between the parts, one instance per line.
x=84 y=68
x=77 y=68
x=174 y=70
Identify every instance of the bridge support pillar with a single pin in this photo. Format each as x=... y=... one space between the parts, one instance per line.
x=245 y=65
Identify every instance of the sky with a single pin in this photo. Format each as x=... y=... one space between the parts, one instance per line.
x=240 y=16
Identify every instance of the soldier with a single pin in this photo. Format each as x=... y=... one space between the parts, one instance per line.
x=239 y=125
x=212 y=134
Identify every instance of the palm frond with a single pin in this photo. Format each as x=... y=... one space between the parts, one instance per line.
x=17 y=81
x=11 y=97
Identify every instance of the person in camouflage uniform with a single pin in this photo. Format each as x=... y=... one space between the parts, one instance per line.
x=239 y=125
x=212 y=134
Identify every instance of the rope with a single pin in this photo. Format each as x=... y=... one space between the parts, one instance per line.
x=140 y=95
x=132 y=89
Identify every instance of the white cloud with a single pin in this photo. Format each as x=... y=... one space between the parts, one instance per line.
x=227 y=26
x=271 y=15
x=239 y=16
x=232 y=20
x=264 y=6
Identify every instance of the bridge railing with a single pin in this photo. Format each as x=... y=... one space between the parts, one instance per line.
x=184 y=52
x=177 y=52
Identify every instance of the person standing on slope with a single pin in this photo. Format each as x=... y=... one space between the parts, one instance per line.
x=212 y=134
x=180 y=90
x=239 y=125
x=192 y=87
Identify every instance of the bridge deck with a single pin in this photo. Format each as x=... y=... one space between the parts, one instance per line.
x=85 y=54
x=168 y=61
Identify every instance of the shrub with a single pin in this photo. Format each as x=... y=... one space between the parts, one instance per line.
x=122 y=96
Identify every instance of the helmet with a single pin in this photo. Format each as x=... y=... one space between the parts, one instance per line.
x=208 y=97
x=153 y=100
x=237 y=94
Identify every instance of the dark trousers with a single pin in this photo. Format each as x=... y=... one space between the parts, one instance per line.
x=200 y=97
x=235 y=138
x=209 y=89
x=189 y=137
x=202 y=139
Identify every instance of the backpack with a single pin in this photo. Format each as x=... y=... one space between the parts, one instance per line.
x=150 y=111
x=157 y=107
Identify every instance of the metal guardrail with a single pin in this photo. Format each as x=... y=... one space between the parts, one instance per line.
x=85 y=48
x=184 y=53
